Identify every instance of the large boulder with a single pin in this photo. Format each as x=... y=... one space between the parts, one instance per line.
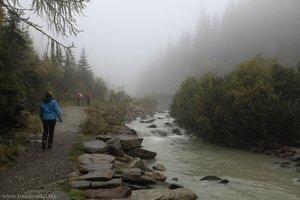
x=135 y=176
x=123 y=130
x=115 y=147
x=138 y=163
x=141 y=153
x=81 y=184
x=130 y=142
x=95 y=167
x=95 y=146
x=85 y=159
x=94 y=162
x=115 y=182
x=120 y=192
x=138 y=179
x=102 y=175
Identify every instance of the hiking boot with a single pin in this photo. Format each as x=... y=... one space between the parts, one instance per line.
x=50 y=146
x=43 y=146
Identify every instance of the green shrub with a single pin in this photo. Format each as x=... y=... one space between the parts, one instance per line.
x=254 y=105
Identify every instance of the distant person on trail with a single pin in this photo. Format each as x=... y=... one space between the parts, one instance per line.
x=49 y=110
x=78 y=98
x=88 y=98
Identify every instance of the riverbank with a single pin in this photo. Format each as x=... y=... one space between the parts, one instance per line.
x=290 y=156
x=34 y=168
x=115 y=166
x=109 y=166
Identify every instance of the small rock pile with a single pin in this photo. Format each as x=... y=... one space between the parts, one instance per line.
x=114 y=166
x=291 y=155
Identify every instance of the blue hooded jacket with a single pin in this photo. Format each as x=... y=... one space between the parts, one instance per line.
x=49 y=109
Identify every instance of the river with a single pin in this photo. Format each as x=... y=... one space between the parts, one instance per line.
x=251 y=176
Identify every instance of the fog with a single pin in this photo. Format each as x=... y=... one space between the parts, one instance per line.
x=151 y=46
x=122 y=36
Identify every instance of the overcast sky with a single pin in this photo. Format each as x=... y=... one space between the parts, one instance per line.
x=121 y=36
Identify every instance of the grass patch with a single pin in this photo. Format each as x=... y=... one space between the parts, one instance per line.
x=77 y=147
x=76 y=195
x=68 y=190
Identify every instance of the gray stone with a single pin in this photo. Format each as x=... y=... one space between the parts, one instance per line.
x=159 y=167
x=104 y=138
x=123 y=130
x=136 y=187
x=173 y=186
x=168 y=124
x=95 y=167
x=135 y=171
x=95 y=146
x=160 y=133
x=138 y=163
x=94 y=162
x=147 y=121
x=120 y=192
x=138 y=179
x=118 y=164
x=115 y=147
x=114 y=142
x=106 y=184
x=98 y=175
x=210 y=178
x=81 y=184
x=183 y=193
x=176 y=131
x=156 y=175
x=152 y=126
x=142 y=153
x=86 y=159
x=130 y=142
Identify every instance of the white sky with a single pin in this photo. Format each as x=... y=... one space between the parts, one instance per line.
x=121 y=36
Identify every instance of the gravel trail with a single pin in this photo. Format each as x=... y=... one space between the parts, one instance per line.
x=35 y=168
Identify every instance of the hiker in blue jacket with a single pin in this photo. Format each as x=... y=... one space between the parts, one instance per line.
x=49 y=110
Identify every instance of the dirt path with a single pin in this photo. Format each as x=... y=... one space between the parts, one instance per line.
x=37 y=167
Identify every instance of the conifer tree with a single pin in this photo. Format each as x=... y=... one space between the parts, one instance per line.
x=85 y=72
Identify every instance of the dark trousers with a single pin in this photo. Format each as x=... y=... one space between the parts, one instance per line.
x=48 y=133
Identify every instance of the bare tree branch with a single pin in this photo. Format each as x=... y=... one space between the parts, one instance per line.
x=59 y=16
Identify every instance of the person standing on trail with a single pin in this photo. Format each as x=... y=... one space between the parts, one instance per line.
x=88 y=98
x=49 y=111
x=78 y=98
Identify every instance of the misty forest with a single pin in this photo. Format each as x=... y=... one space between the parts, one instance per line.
x=215 y=114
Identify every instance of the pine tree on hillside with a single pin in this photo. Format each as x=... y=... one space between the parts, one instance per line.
x=14 y=59
x=85 y=72
x=70 y=83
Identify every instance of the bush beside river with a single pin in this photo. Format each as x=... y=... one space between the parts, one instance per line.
x=256 y=105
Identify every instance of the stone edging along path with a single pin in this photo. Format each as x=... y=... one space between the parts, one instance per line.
x=115 y=166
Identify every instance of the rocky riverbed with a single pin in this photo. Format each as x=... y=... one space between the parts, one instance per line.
x=115 y=166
